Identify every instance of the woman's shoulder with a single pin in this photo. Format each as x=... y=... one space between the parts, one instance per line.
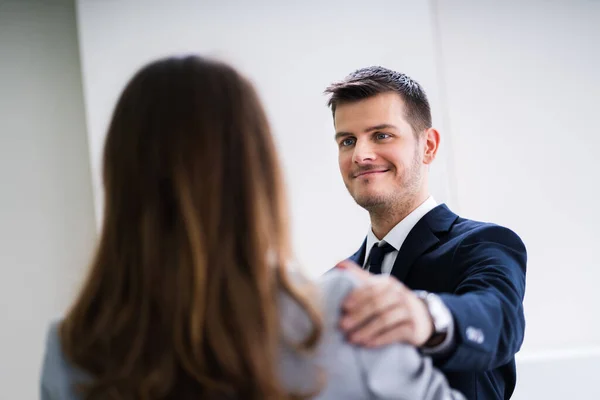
x=326 y=292
x=53 y=363
x=57 y=375
x=335 y=284
x=330 y=288
x=53 y=350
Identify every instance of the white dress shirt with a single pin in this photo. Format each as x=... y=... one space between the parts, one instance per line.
x=396 y=238
x=398 y=234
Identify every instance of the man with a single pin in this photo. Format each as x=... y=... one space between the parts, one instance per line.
x=448 y=285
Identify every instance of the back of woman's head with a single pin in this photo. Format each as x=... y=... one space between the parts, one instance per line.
x=181 y=299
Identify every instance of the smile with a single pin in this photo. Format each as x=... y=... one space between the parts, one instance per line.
x=371 y=172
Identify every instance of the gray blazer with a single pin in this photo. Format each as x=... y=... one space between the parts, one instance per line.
x=393 y=372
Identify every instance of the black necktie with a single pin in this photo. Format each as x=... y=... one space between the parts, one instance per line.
x=376 y=256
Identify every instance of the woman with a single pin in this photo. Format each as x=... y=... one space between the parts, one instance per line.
x=189 y=294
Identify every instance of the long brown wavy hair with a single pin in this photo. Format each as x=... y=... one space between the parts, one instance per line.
x=182 y=298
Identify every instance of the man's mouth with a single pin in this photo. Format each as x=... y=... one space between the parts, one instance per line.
x=370 y=172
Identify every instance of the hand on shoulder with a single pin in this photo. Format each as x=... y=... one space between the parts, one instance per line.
x=380 y=310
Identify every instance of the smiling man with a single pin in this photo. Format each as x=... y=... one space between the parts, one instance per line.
x=448 y=285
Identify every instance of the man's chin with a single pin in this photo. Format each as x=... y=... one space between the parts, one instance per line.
x=369 y=202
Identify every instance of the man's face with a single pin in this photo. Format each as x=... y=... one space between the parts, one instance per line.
x=380 y=158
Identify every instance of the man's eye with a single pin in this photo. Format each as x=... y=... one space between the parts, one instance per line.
x=347 y=142
x=381 y=136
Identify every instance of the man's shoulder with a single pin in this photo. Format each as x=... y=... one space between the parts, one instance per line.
x=473 y=231
x=475 y=228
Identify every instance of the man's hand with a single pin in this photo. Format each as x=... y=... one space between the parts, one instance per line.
x=383 y=311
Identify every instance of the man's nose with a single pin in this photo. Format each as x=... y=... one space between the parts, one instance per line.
x=363 y=152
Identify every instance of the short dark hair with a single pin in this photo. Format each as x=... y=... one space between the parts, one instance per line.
x=370 y=81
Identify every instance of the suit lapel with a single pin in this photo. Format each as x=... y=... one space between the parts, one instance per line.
x=421 y=238
x=359 y=256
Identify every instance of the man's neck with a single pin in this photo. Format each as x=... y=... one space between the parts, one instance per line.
x=385 y=219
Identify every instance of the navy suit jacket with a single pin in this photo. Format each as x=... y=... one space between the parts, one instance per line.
x=478 y=269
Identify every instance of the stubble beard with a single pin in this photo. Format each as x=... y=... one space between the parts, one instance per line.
x=400 y=201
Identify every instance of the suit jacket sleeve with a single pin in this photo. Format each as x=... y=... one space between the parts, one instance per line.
x=487 y=304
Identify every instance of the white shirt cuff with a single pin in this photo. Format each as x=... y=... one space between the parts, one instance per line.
x=448 y=344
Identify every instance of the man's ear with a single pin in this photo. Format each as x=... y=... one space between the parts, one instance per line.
x=431 y=141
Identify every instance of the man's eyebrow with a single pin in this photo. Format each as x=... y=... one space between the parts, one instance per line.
x=380 y=127
x=339 y=135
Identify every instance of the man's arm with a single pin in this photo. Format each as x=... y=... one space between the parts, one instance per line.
x=487 y=304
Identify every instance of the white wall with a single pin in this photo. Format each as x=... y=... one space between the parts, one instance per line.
x=292 y=51
x=47 y=224
x=522 y=90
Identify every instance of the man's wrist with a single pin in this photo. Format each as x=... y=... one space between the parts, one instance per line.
x=442 y=336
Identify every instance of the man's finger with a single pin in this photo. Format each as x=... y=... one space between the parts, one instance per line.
x=402 y=332
x=372 y=299
x=369 y=306
x=374 y=286
x=357 y=316
x=380 y=325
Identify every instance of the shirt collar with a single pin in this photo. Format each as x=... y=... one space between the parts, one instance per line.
x=399 y=233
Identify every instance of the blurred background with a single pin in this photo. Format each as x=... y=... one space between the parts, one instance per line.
x=514 y=88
